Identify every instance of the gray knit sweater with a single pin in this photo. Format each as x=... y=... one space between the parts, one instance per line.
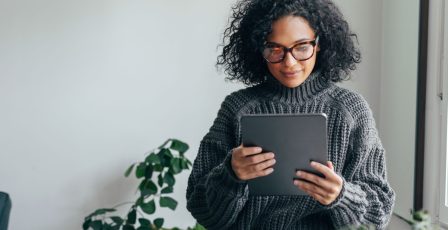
x=219 y=200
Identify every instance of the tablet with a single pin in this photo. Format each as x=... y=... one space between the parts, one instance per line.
x=294 y=139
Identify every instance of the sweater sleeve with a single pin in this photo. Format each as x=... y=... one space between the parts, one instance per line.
x=366 y=197
x=215 y=196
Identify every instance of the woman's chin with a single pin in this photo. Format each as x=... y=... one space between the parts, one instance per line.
x=292 y=82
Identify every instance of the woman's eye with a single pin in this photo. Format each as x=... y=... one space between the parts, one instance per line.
x=276 y=50
x=303 y=48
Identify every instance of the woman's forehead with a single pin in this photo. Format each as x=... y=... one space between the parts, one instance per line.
x=288 y=30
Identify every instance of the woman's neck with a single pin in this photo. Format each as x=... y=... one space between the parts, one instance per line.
x=308 y=89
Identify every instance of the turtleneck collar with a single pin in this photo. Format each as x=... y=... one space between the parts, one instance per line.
x=314 y=84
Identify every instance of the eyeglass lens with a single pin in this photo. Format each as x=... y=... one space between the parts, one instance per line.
x=276 y=53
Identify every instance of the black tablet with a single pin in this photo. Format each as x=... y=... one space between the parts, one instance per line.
x=294 y=139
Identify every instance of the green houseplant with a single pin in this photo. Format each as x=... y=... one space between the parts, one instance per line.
x=421 y=220
x=157 y=174
x=157 y=178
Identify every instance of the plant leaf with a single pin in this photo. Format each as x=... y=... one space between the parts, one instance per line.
x=169 y=179
x=165 y=157
x=158 y=222
x=166 y=152
x=128 y=227
x=96 y=225
x=168 y=202
x=148 y=172
x=141 y=187
x=160 y=180
x=109 y=227
x=144 y=222
x=144 y=228
x=199 y=227
x=132 y=215
x=166 y=162
x=117 y=220
x=175 y=165
x=168 y=189
x=140 y=171
x=148 y=208
x=86 y=224
x=179 y=146
x=139 y=201
x=152 y=158
x=102 y=211
x=179 y=164
x=158 y=168
x=149 y=188
x=129 y=170
x=183 y=164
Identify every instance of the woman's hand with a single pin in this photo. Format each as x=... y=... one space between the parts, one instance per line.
x=249 y=162
x=324 y=190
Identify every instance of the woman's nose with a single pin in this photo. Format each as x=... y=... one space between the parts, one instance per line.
x=289 y=59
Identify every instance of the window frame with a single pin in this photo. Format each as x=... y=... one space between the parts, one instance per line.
x=443 y=192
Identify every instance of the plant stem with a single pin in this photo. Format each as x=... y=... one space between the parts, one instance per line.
x=166 y=142
x=121 y=204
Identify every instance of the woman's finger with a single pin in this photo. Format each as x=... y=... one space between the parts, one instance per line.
x=256 y=159
x=264 y=165
x=310 y=187
x=330 y=165
x=324 y=199
x=261 y=173
x=317 y=197
x=322 y=182
x=328 y=173
x=248 y=151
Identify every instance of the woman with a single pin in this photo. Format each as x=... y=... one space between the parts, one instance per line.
x=291 y=52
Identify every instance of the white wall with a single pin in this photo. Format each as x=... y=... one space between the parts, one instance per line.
x=399 y=97
x=363 y=19
x=387 y=78
x=87 y=87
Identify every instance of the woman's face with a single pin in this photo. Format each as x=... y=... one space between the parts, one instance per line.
x=288 y=31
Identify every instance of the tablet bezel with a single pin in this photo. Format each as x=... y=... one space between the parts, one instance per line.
x=287 y=135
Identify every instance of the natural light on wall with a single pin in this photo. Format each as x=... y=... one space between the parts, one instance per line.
x=443 y=208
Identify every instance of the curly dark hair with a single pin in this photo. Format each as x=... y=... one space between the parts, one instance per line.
x=251 y=23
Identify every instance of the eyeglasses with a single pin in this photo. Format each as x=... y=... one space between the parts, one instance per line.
x=275 y=53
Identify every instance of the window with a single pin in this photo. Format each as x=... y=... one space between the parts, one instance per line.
x=443 y=204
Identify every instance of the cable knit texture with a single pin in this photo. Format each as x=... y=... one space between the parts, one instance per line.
x=219 y=200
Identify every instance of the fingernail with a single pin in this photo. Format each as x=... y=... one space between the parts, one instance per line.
x=299 y=173
x=296 y=182
x=313 y=163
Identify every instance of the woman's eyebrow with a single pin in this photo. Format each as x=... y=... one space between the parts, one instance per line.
x=303 y=40
x=294 y=43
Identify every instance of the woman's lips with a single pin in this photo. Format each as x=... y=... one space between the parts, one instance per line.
x=291 y=73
